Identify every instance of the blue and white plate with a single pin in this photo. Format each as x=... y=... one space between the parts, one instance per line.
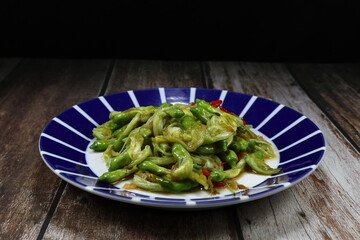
x=64 y=145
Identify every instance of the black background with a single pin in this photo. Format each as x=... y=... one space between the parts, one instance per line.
x=253 y=30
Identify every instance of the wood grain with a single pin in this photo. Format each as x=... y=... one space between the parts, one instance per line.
x=99 y=218
x=336 y=89
x=320 y=205
x=153 y=74
x=32 y=95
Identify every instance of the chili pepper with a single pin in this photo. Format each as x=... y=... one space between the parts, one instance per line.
x=239 y=156
x=229 y=157
x=120 y=161
x=224 y=110
x=192 y=104
x=218 y=184
x=119 y=131
x=124 y=117
x=216 y=103
x=217 y=176
x=175 y=112
x=201 y=113
x=153 y=168
x=188 y=122
x=212 y=148
x=101 y=145
x=116 y=175
x=176 y=187
x=205 y=172
x=240 y=145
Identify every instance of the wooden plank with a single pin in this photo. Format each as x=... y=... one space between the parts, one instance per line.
x=35 y=93
x=336 y=89
x=106 y=219
x=319 y=206
x=153 y=74
x=7 y=65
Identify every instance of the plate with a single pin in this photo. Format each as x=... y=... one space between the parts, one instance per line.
x=64 y=146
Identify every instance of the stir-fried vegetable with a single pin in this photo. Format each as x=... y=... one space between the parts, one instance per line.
x=175 y=148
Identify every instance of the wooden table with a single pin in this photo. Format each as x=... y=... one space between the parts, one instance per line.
x=36 y=204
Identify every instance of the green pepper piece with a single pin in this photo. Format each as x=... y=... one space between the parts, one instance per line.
x=188 y=122
x=119 y=131
x=212 y=148
x=241 y=145
x=205 y=105
x=124 y=117
x=120 y=161
x=219 y=176
x=101 y=145
x=113 y=176
x=153 y=168
x=162 y=161
x=145 y=184
x=256 y=162
x=229 y=157
x=165 y=105
x=175 y=112
x=177 y=187
x=145 y=132
x=184 y=161
x=201 y=113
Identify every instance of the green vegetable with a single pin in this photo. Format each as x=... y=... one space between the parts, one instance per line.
x=120 y=161
x=101 y=145
x=124 y=117
x=175 y=112
x=229 y=157
x=176 y=147
x=213 y=148
x=257 y=163
x=188 y=122
x=119 y=142
x=102 y=133
x=165 y=105
x=113 y=176
x=162 y=161
x=201 y=113
x=242 y=145
x=184 y=162
x=177 y=187
x=153 y=168
x=148 y=185
x=219 y=176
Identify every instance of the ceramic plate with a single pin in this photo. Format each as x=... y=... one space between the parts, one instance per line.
x=64 y=145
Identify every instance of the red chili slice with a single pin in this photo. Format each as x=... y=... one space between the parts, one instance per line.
x=223 y=109
x=218 y=184
x=239 y=157
x=216 y=103
x=205 y=172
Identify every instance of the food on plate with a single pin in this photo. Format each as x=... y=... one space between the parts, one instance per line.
x=180 y=147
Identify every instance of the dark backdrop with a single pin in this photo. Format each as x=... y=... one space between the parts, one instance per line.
x=253 y=30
